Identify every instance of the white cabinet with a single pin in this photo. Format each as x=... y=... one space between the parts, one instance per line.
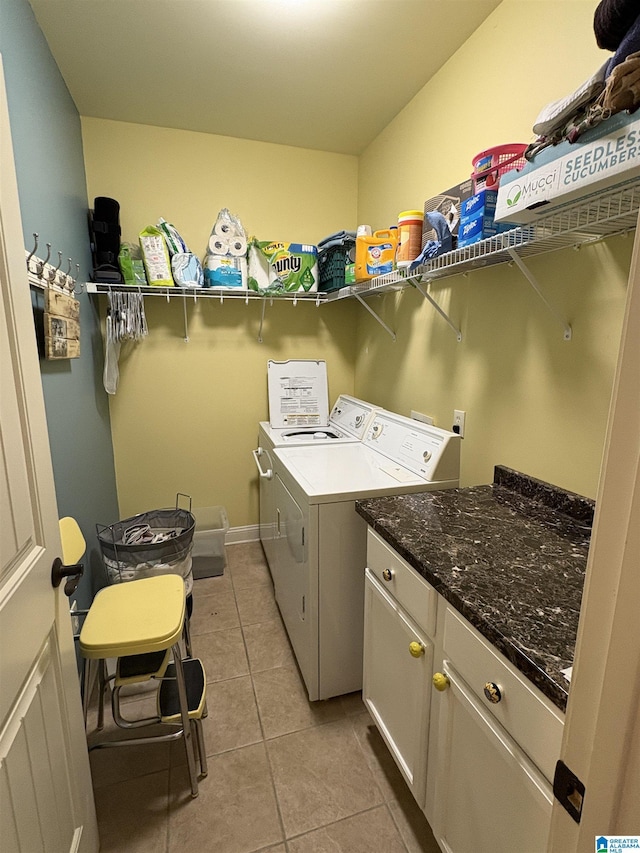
x=479 y=764
x=398 y=655
x=488 y=726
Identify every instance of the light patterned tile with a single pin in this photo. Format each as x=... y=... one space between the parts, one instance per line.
x=320 y=776
x=413 y=825
x=222 y=654
x=379 y=759
x=268 y=645
x=134 y=815
x=368 y=832
x=256 y=604
x=235 y=811
x=248 y=566
x=284 y=706
x=213 y=612
x=212 y=586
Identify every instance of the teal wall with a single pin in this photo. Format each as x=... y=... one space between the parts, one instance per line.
x=47 y=144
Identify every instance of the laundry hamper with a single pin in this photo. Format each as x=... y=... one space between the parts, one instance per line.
x=490 y=165
x=147 y=544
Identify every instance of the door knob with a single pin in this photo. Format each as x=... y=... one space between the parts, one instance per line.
x=440 y=681
x=416 y=649
x=387 y=574
x=492 y=692
x=60 y=571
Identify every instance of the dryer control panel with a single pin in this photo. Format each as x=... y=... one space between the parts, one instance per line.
x=352 y=415
x=426 y=450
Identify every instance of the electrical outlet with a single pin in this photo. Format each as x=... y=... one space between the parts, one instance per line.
x=424 y=419
x=75 y=620
x=458 y=422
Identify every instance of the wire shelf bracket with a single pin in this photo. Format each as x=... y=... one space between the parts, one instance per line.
x=418 y=285
x=526 y=272
x=387 y=329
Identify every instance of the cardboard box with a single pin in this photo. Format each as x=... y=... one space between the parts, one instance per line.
x=476 y=229
x=604 y=156
x=448 y=204
x=480 y=204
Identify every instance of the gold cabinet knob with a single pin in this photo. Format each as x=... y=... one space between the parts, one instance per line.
x=440 y=681
x=387 y=574
x=492 y=692
x=416 y=649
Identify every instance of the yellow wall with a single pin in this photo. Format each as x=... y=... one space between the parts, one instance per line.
x=533 y=401
x=185 y=415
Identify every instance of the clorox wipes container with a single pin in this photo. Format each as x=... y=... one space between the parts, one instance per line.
x=375 y=254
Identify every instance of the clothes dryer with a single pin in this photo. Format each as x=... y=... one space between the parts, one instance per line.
x=319 y=546
x=346 y=424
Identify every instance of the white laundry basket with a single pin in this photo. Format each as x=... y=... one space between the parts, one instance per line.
x=209 y=556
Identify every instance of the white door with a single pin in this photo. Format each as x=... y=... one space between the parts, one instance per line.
x=601 y=743
x=396 y=686
x=489 y=798
x=46 y=799
x=290 y=572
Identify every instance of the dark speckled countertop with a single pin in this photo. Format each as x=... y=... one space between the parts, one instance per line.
x=510 y=557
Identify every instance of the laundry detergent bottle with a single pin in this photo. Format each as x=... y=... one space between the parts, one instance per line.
x=375 y=254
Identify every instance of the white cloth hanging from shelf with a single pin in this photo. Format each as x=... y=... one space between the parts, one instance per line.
x=126 y=321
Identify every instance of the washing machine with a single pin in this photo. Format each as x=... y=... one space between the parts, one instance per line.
x=319 y=545
x=346 y=424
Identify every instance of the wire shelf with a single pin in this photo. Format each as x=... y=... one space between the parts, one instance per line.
x=593 y=218
x=195 y=293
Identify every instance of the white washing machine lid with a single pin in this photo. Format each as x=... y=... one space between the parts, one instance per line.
x=348 y=421
x=298 y=395
x=349 y=472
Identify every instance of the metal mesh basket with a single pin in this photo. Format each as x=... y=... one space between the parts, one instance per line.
x=147 y=544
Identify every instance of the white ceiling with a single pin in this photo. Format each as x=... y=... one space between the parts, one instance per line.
x=323 y=74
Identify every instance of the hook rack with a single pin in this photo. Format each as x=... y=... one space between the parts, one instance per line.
x=43 y=275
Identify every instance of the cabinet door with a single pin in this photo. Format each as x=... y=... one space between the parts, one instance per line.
x=268 y=521
x=489 y=797
x=290 y=571
x=396 y=685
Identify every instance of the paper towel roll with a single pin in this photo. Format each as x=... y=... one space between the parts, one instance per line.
x=225 y=229
x=237 y=247
x=219 y=245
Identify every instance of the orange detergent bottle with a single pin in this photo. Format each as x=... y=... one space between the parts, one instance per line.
x=375 y=254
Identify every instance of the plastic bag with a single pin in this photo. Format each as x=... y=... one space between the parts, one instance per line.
x=156 y=257
x=225 y=263
x=131 y=265
x=187 y=270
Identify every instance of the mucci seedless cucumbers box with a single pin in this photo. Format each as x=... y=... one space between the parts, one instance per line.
x=276 y=267
x=604 y=156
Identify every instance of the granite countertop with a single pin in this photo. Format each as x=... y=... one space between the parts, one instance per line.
x=510 y=557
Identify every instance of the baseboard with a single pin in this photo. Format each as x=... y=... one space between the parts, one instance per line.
x=236 y=535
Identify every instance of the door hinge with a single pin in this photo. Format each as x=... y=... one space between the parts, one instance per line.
x=568 y=790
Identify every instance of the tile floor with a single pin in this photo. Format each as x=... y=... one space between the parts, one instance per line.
x=285 y=775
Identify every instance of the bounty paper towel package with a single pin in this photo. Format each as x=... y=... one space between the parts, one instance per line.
x=225 y=263
x=276 y=267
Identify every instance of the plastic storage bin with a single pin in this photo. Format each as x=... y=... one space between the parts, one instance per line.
x=209 y=556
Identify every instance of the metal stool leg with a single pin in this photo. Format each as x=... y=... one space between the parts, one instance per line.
x=102 y=686
x=201 y=747
x=186 y=722
x=86 y=688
